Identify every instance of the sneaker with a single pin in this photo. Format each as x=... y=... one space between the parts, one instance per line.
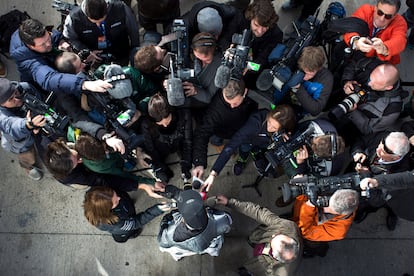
x=35 y=174
x=289 y=5
x=391 y=221
x=3 y=69
x=239 y=166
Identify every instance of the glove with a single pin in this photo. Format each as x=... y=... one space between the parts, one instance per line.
x=313 y=88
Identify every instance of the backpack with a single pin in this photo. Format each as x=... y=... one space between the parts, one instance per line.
x=9 y=23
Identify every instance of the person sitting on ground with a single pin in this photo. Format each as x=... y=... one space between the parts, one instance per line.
x=253 y=139
x=276 y=242
x=167 y=130
x=114 y=211
x=34 y=49
x=387 y=31
x=320 y=225
x=225 y=115
x=17 y=127
x=103 y=28
x=194 y=229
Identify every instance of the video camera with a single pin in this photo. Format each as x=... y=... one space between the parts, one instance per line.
x=107 y=58
x=319 y=190
x=55 y=123
x=279 y=150
x=283 y=74
x=180 y=51
x=343 y=107
x=235 y=60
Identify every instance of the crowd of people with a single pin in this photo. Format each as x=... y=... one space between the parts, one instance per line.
x=122 y=101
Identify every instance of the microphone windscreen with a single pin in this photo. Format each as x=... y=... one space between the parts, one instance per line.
x=196 y=184
x=222 y=76
x=175 y=93
x=265 y=80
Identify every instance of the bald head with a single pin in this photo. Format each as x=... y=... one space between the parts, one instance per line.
x=384 y=77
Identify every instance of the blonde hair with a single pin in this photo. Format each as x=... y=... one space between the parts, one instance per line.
x=97 y=206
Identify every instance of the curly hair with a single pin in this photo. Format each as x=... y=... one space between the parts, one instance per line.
x=263 y=11
x=97 y=206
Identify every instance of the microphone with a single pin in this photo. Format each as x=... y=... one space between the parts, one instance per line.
x=265 y=80
x=222 y=76
x=175 y=93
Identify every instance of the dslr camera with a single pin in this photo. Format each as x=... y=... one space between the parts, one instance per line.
x=343 y=107
x=319 y=190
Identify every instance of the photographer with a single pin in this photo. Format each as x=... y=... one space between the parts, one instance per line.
x=103 y=28
x=320 y=225
x=34 y=48
x=253 y=139
x=396 y=189
x=390 y=156
x=322 y=155
x=194 y=229
x=311 y=96
x=17 y=128
x=276 y=242
x=380 y=98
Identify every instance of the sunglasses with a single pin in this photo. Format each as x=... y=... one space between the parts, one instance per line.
x=387 y=16
x=386 y=149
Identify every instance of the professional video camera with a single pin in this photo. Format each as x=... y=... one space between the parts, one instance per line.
x=117 y=106
x=343 y=107
x=55 y=123
x=235 y=59
x=279 y=150
x=319 y=190
x=283 y=74
x=107 y=58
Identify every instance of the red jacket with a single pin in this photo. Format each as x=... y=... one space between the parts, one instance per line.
x=306 y=217
x=393 y=36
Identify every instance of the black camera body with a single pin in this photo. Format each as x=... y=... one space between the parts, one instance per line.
x=180 y=48
x=55 y=123
x=343 y=107
x=279 y=150
x=319 y=190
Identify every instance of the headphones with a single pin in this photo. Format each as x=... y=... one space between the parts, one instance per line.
x=209 y=41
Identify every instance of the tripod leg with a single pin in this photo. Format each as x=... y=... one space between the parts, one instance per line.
x=255 y=185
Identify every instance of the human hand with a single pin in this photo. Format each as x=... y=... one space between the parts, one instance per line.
x=198 y=171
x=189 y=89
x=116 y=143
x=142 y=158
x=96 y=86
x=222 y=200
x=165 y=206
x=64 y=46
x=349 y=87
x=302 y=155
x=208 y=183
x=379 y=46
x=368 y=182
x=364 y=44
x=94 y=57
x=411 y=139
x=359 y=157
x=150 y=190
x=361 y=169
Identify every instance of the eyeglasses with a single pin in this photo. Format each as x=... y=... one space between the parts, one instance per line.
x=386 y=149
x=387 y=16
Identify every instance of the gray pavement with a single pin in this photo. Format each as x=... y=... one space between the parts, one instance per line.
x=43 y=230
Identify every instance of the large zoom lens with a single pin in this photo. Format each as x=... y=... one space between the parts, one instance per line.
x=343 y=107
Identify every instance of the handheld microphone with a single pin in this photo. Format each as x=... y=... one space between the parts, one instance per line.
x=222 y=76
x=265 y=80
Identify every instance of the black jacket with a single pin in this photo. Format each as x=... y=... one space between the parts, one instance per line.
x=220 y=120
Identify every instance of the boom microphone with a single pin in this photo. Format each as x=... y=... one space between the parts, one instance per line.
x=222 y=76
x=265 y=80
x=175 y=93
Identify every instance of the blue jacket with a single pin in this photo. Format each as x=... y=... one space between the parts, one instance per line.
x=16 y=137
x=38 y=68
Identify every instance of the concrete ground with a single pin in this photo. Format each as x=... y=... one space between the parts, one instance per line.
x=43 y=230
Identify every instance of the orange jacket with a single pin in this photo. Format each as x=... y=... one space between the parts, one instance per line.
x=393 y=36
x=306 y=217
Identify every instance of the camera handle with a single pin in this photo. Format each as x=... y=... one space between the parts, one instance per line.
x=259 y=179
